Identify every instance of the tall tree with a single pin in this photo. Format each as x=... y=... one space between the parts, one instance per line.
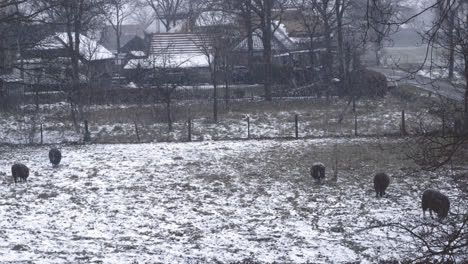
x=325 y=11
x=264 y=11
x=77 y=17
x=244 y=8
x=434 y=151
x=117 y=12
x=168 y=11
x=381 y=16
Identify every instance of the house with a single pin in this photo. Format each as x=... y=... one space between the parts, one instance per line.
x=11 y=90
x=128 y=33
x=47 y=64
x=177 y=51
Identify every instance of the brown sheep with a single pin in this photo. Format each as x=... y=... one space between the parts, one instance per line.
x=435 y=201
x=381 y=182
x=317 y=171
x=21 y=171
x=55 y=156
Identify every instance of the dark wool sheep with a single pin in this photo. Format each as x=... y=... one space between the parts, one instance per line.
x=55 y=156
x=381 y=182
x=435 y=201
x=318 y=171
x=20 y=171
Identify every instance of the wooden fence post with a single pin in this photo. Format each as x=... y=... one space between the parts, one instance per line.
x=403 y=123
x=296 y=125
x=355 y=124
x=137 y=132
x=189 y=123
x=87 y=135
x=248 y=127
x=443 y=124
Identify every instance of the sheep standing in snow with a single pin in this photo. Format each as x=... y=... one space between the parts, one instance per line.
x=19 y=170
x=55 y=156
x=317 y=171
x=381 y=182
x=435 y=201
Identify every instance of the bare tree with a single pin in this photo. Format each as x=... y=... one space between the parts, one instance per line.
x=434 y=242
x=168 y=11
x=264 y=11
x=325 y=10
x=381 y=15
x=244 y=8
x=117 y=12
x=77 y=17
x=142 y=15
x=433 y=150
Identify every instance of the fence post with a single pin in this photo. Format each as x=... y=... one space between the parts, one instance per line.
x=248 y=127
x=403 y=123
x=41 y=136
x=355 y=124
x=443 y=124
x=189 y=130
x=87 y=135
x=137 y=132
x=296 y=125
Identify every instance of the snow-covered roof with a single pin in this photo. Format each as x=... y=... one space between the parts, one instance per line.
x=184 y=60
x=11 y=78
x=90 y=49
x=137 y=53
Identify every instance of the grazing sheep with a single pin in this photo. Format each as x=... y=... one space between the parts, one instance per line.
x=55 y=156
x=435 y=201
x=317 y=171
x=20 y=171
x=381 y=182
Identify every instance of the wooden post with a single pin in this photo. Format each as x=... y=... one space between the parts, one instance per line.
x=137 y=132
x=248 y=127
x=87 y=135
x=296 y=125
x=403 y=123
x=41 y=136
x=189 y=130
x=355 y=124
x=443 y=124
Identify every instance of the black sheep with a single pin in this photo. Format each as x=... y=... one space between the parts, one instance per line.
x=381 y=182
x=318 y=171
x=435 y=201
x=55 y=156
x=20 y=171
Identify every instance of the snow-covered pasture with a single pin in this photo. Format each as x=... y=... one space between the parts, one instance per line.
x=211 y=201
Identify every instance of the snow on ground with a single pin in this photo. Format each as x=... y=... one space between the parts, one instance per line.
x=206 y=202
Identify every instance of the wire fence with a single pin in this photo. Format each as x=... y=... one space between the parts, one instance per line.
x=249 y=127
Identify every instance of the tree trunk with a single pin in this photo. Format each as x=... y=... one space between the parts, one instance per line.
x=267 y=35
x=215 y=102
x=377 y=54
x=226 y=82
x=339 y=21
x=328 y=46
x=451 y=59
x=215 y=90
x=250 y=48
x=466 y=85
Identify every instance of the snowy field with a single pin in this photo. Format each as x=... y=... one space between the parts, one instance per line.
x=212 y=201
